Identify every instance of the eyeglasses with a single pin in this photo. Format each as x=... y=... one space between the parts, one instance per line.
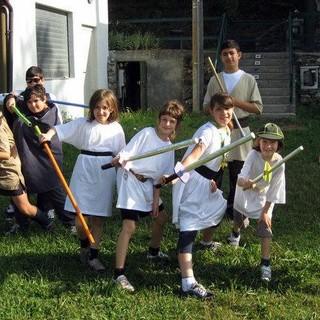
x=35 y=80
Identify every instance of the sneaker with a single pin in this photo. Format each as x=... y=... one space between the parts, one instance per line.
x=50 y=227
x=84 y=256
x=10 y=209
x=123 y=283
x=198 y=291
x=265 y=273
x=160 y=255
x=51 y=214
x=234 y=241
x=96 y=266
x=73 y=230
x=14 y=229
x=214 y=246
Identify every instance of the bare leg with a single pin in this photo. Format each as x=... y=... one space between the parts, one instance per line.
x=24 y=206
x=97 y=230
x=208 y=234
x=128 y=229
x=265 y=248
x=185 y=264
x=158 y=226
x=80 y=230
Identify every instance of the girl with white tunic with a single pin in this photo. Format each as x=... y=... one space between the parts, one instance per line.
x=199 y=204
x=137 y=196
x=256 y=200
x=99 y=137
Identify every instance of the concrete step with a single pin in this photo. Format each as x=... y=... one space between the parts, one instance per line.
x=266 y=69
x=266 y=100
x=278 y=108
x=264 y=55
x=271 y=83
x=273 y=91
x=264 y=62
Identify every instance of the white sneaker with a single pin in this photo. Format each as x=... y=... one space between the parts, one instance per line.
x=123 y=283
x=97 y=266
x=234 y=241
x=214 y=246
x=73 y=230
x=10 y=209
x=265 y=273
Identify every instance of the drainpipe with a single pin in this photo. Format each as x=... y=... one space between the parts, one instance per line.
x=197 y=55
x=9 y=35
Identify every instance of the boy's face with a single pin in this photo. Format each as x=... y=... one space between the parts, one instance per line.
x=230 y=58
x=36 y=104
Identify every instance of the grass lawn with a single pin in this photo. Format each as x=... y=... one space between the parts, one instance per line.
x=41 y=278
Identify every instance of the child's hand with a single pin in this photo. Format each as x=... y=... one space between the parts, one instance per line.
x=266 y=219
x=11 y=101
x=248 y=184
x=115 y=161
x=155 y=210
x=44 y=137
x=213 y=186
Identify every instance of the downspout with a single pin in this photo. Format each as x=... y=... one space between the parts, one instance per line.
x=9 y=35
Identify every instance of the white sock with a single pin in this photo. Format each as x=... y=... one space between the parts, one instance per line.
x=187 y=282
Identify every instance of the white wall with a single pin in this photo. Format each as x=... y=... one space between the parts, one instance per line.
x=90 y=53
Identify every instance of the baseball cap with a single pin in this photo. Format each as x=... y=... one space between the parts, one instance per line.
x=270 y=131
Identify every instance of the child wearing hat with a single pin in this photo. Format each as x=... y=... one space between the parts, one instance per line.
x=256 y=200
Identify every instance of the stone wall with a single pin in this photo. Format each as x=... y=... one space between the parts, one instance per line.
x=306 y=96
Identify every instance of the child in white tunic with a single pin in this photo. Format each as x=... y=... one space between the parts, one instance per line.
x=99 y=137
x=199 y=204
x=137 y=197
x=257 y=200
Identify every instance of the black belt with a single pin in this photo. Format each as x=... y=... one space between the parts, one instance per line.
x=96 y=154
x=244 y=122
x=206 y=172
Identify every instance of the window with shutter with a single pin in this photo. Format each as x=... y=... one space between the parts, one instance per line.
x=53 y=42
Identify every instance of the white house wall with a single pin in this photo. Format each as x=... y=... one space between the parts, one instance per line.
x=88 y=75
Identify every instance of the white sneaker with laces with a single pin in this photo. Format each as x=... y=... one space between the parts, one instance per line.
x=160 y=255
x=214 y=246
x=198 y=291
x=123 y=283
x=265 y=273
x=234 y=241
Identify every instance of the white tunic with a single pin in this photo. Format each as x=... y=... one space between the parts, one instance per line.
x=195 y=207
x=92 y=187
x=251 y=202
x=136 y=195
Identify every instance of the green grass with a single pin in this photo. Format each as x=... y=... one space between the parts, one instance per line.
x=40 y=277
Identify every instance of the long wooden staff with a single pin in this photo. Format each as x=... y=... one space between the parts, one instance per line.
x=223 y=90
x=58 y=172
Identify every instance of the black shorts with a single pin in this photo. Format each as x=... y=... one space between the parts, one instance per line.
x=12 y=193
x=129 y=214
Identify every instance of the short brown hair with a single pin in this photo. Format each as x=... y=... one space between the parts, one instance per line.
x=174 y=109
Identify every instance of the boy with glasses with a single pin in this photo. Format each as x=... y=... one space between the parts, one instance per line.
x=34 y=76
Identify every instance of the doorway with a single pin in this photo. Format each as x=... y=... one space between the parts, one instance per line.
x=132 y=85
